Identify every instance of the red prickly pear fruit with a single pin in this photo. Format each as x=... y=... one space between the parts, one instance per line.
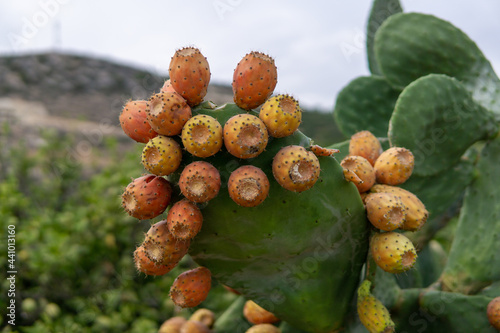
x=263 y=328
x=133 y=120
x=162 y=247
x=256 y=314
x=493 y=312
x=146 y=197
x=282 y=115
x=254 y=80
x=385 y=211
x=320 y=151
x=416 y=213
x=393 y=252
x=245 y=136
x=295 y=168
x=363 y=169
x=167 y=87
x=202 y=136
x=200 y=181
x=190 y=74
x=372 y=313
x=366 y=145
x=172 y=325
x=191 y=288
x=248 y=186
x=167 y=113
x=193 y=326
x=147 y=266
x=162 y=155
x=204 y=316
x=184 y=220
x=394 y=166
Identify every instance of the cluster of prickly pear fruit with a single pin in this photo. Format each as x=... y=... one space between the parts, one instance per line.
x=248 y=161
x=440 y=103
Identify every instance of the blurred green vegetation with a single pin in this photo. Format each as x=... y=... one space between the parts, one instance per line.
x=75 y=244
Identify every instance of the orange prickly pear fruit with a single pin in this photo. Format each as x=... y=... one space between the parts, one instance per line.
x=248 y=186
x=254 y=80
x=133 y=120
x=394 y=166
x=416 y=213
x=493 y=312
x=184 y=220
x=372 y=313
x=190 y=74
x=162 y=247
x=363 y=170
x=147 y=266
x=295 y=168
x=282 y=115
x=366 y=145
x=255 y=314
x=200 y=181
x=204 y=316
x=167 y=113
x=172 y=325
x=191 y=288
x=385 y=211
x=167 y=87
x=393 y=252
x=193 y=326
x=147 y=197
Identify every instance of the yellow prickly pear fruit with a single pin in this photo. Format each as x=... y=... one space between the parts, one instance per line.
x=393 y=252
x=385 y=211
x=394 y=166
x=366 y=145
x=372 y=313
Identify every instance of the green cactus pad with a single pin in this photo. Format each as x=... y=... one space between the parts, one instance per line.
x=411 y=45
x=287 y=328
x=474 y=259
x=366 y=103
x=381 y=10
x=454 y=312
x=436 y=118
x=295 y=252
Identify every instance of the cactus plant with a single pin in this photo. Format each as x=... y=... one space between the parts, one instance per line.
x=289 y=231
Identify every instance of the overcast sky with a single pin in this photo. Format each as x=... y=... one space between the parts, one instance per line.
x=306 y=38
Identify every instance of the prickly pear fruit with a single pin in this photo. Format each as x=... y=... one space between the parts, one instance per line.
x=295 y=168
x=167 y=113
x=245 y=136
x=162 y=247
x=263 y=328
x=147 y=266
x=172 y=325
x=352 y=177
x=146 y=197
x=363 y=169
x=191 y=288
x=167 y=87
x=394 y=166
x=385 y=211
x=193 y=326
x=372 y=313
x=254 y=80
x=320 y=151
x=255 y=314
x=393 y=252
x=200 y=181
x=161 y=155
x=416 y=213
x=248 y=186
x=204 y=316
x=202 y=136
x=184 y=220
x=282 y=115
x=133 y=121
x=366 y=145
x=190 y=74
x=493 y=312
